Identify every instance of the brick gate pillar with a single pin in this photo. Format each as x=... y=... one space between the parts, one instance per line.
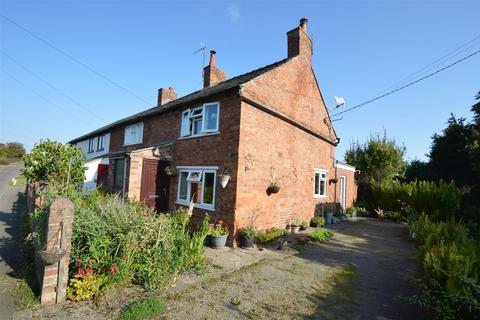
x=54 y=277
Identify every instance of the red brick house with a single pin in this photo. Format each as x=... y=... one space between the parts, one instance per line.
x=267 y=125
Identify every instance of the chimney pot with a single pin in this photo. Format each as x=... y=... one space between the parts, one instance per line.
x=303 y=24
x=212 y=57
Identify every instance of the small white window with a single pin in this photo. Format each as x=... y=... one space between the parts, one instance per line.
x=134 y=134
x=320 y=184
x=197 y=185
x=100 y=143
x=91 y=145
x=201 y=120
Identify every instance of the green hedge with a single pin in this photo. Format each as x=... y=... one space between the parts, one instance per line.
x=451 y=261
x=438 y=200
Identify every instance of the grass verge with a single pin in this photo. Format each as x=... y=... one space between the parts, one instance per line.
x=143 y=309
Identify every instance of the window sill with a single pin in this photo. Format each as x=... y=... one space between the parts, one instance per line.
x=316 y=196
x=196 y=205
x=132 y=144
x=200 y=135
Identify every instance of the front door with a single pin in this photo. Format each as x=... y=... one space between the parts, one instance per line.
x=343 y=187
x=155 y=184
x=102 y=175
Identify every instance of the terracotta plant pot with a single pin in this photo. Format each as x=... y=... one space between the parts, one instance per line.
x=218 y=241
x=294 y=229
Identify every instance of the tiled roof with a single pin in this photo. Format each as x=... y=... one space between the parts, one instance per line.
x=218 y=88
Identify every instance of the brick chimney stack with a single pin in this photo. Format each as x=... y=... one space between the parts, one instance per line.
x=299 y=43
x=166 y=95
x=211 y=74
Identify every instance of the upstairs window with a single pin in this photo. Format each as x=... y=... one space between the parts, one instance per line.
x=320 y=184
x=133 y=134
x=201 y=120
x=91 y=145
x=100 y=143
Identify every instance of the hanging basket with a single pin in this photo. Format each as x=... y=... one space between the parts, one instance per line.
x=51 y=257
x=171 y=171
x=274 y=188
x=224 y=180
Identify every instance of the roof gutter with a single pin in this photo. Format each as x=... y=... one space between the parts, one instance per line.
x=288 y=120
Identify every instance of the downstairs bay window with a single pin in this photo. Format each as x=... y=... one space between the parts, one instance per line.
x=197 y=185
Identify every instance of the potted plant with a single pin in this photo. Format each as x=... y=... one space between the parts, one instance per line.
x=303 y=225
x=317 y=222
x=171 y=171
x=295 y=226
x=274 y=187
x=218 y=235
x=329 y=213
x=380 y=214
x=247 y=237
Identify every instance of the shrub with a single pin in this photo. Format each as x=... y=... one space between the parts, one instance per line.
x=452 y=264
x=320 y=221
x=248 y=232
x=320 y=235
x=147 y=308
x=304 y=224
x=438 y=200
x=128 y=242
x=83 y=286
x=54 y=162
x=270 y=235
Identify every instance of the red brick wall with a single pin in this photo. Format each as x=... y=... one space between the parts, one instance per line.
x=214 y=150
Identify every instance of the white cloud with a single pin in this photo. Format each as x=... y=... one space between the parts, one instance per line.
x=233 y=12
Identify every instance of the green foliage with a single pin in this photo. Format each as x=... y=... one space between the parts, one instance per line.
x=11 y=152
x=54 y=162
x=248 y=232
x=217 y=230
x=83 y=287
x=320 y=235
x=270 y=235
x=146 y=308
x=379 y=159
x=438 y=200
x=320 y=221
x=304 y=224
x=451 y=261
x=127 y=242
x=296 y=223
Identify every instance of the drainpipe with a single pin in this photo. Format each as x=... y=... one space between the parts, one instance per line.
x=127 y=155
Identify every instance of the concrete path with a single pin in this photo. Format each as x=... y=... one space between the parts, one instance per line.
x=9 y=225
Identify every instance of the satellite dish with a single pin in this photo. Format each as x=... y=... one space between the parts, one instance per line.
x=339 y=101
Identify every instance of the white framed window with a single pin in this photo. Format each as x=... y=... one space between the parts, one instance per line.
x=133 y=134
x=100 y=143
x=200 y=120
x=320 y=183
x=91 y=145
x=197 y=185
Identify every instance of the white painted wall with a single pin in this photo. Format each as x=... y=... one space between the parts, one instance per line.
x=106 y=147
x=91 y=168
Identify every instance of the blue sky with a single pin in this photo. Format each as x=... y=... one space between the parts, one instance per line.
x=360 y=49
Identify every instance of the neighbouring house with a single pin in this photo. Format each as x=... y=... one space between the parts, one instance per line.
x=222 y=146
x=96 y=149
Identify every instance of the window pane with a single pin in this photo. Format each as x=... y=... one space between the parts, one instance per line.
x=208 y=188
x=211 y=115
x=317 y=182
x=185 y=123
x=183 y=186
x=194 y=176
x=322 y=187
x=195 y=192
x=119 y=169
x=197 y=126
